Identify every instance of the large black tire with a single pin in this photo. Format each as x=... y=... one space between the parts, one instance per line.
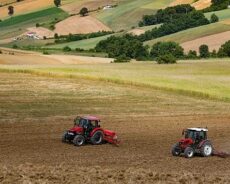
x=97 y=138
x=63 y=139
x=189 y=152
x=176 y=150
x=79 y=140
x=206 y=149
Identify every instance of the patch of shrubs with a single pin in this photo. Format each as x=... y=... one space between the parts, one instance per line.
x=224 y=50
x=67 y=49
x=122 y=59
x=127 y=46
x=166 y=59
x=166 y=15
x=166 y=48
x=45 y=52
x=77 y=37
x=183 y=22
x=15 y=46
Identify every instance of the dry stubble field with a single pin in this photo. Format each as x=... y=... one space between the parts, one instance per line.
x=35 y=110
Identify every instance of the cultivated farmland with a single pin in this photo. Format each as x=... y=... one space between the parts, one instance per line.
x=39 y=102
x=193 y=33
x=17 y=25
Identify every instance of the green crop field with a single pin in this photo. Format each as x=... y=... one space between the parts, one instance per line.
x=83 y=44
x=208 y=79
x=18 y=24
x=92 y=42
x=223 y=14
x=129 y=13
x=193 y=33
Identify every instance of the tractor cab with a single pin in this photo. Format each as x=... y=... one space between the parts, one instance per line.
x=196 y=134
x=87 y=122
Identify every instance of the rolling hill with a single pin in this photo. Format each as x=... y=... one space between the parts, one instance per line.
x=123 y=17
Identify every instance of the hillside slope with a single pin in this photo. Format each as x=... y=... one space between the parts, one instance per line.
x=25 y=6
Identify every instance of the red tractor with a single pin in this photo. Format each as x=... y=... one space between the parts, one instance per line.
x=195 y=142
x=87 y=130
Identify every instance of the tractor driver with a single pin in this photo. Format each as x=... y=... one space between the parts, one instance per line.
x=88 y=127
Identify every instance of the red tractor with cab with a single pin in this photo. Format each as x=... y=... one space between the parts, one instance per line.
x=88 y=130
x=195 y=142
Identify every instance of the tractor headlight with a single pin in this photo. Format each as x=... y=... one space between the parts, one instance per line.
x=115 y=137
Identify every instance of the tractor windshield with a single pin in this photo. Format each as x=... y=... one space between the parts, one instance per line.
x=80 y=122
x=190 y=134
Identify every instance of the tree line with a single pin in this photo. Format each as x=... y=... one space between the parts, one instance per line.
x=77 y=37
x=174 y=19
x=129 y=47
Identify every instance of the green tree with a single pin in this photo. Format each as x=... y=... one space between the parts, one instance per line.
x=127 y=45
x=66 y=49
x=57 y=3
x=56 y=36
x=165 y=48
x=10 y=10
x=192 y=54
x=214 y=18
x=224 y=50
x=84 y=11
x=204 y=51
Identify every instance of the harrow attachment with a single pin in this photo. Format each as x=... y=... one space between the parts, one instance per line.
x=221 y=154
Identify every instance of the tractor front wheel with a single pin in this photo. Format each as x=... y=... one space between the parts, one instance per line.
x=97 y=138
x=206 y=149
x=188 y=152
x=78 y=140
x=176 y=150
x=64 y=136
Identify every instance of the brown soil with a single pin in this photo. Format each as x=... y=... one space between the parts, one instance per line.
x=201 y=4
x=36 y=110
x=80 y=25
x=213 y=41
x=76 y=6
x=137 y=32
x=17 y=57
x=227 y=22
x=25 y=7
x=177 y=2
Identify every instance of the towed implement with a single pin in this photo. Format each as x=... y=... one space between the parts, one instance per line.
x=87 y=129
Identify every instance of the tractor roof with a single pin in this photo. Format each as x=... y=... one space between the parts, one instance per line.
x=92 y=118
x=198 y=129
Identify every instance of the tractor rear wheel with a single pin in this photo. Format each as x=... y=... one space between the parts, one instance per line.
x=78 y=140
x=176 y=150
x=97 y=138
x=189 y=152
x=64 y=136
x=206 y=149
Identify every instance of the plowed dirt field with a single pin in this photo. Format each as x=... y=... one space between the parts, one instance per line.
x=35 y=110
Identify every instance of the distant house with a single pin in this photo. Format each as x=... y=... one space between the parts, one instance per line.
x=32 y=35
x=107 y=7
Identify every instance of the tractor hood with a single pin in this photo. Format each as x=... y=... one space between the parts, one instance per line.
x=186 y=141
x=76 y=129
